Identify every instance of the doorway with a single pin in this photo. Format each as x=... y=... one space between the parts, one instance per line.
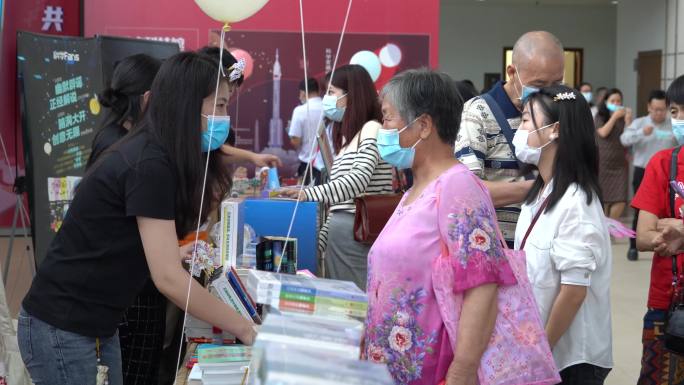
x=574 y=65
x=649 y=65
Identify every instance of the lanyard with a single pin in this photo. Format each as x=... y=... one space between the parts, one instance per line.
x=102 y=377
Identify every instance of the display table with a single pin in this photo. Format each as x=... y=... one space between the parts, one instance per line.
x=184 y=372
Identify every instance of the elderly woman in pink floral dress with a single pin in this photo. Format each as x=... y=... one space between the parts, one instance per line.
x=448 y=212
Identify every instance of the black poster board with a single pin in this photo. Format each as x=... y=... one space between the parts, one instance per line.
x=58 y=79
x=113 y=49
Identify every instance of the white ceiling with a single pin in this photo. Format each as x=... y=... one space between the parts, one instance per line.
x=530 y=2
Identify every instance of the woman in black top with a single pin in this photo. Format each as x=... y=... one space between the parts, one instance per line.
x=123 y=225
x=141 y=332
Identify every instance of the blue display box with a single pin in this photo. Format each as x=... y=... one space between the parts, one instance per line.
x=271 y=217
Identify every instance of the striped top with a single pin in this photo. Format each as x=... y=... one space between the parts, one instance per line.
x=355 y=172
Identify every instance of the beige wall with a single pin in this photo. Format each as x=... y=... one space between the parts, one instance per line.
x=473 y=35
x=640 y=27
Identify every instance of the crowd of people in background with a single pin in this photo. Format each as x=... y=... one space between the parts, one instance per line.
x=554 y=163
x=529 y=165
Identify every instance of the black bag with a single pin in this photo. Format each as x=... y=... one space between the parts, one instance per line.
x=674 y=328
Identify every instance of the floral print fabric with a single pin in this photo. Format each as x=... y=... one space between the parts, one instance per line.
x=404 y=327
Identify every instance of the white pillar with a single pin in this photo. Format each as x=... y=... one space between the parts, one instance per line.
x=673 y=55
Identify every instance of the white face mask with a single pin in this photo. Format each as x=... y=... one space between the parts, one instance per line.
x=523 y=151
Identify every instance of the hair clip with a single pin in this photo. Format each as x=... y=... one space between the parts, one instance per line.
x=564 y=96
x=237 y=69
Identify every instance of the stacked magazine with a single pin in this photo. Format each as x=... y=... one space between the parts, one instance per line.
x=283 y=364
x=302 y=294
x=223 y=364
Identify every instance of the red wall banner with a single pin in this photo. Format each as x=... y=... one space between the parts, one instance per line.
x=183 y=19
x=58 y=17
x=388 y=35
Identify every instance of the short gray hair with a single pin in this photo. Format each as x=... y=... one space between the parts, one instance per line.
x=422 y=91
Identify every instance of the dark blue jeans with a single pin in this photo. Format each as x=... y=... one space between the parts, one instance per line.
x=54 y=356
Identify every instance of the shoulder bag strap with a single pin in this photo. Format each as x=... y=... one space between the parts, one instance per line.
x=534 y=221
x=506 y=129
x=501 y=120
x=673 y=176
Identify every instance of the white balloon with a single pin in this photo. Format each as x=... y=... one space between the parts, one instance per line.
x=390 y=55
x=230 y=11
x=368 y=60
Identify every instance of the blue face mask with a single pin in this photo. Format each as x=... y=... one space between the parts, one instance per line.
x=587 y=96
x=217 y=131
x=526 y=90
x=612 y=107
x=392 y=152
x=330 y=108
x=678 y=130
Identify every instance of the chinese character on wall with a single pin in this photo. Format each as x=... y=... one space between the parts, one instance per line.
x=52 y=16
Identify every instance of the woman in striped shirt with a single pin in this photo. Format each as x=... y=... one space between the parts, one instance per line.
x=353 y=109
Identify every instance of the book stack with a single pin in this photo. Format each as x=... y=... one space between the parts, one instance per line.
x=229 y=288
x=269 y=254
x=312 y=296
x=232 y=231
x=281 y=364
x=201 y=332
x=338 y=337
x=223 y=364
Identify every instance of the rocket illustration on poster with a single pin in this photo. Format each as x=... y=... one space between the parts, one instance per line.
x=262 y=110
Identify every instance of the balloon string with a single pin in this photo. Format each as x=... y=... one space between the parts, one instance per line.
x=320 y=118
x=204 y=186
x=307 y=170
x=237 y=111
x=306 y=73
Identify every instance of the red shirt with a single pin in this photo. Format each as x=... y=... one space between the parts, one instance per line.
x=654 y=196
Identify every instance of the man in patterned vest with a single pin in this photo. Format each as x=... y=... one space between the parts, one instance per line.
x=484 y=142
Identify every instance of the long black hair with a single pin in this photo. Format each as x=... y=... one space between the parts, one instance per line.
x=577 y=158
x=363 y=104
x=228 y=60
x=132 y=77
x=602 y=107
x=173 y=118
x=122 y=100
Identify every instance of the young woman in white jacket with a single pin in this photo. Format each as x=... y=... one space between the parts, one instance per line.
x=563 y=231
